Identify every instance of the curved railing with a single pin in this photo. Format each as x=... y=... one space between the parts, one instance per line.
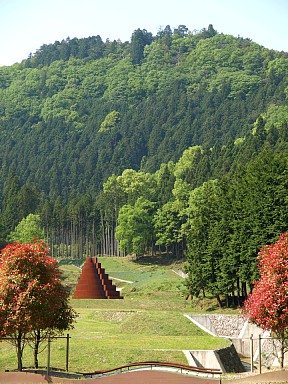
x=137 y=365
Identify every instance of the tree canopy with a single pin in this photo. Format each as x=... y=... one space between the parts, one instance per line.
x=267 y=305
x=27 y=230
x=33 y=301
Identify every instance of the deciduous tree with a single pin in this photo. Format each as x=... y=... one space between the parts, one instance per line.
x=33 y=302
x=135 y=231
x=27 y=230
x=267 y=306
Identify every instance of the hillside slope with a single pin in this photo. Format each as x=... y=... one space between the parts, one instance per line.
x=80 y=110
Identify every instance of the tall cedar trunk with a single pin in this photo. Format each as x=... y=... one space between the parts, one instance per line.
x=238 y=291
x=244 y=290
x=36 y=349
x=102 y=243
x=67 y=243
x=227 y=300
x=87 y=248
x=107 y=240
x=19 y=351
x=72 y=239
x=52 y=246
x=93 y=248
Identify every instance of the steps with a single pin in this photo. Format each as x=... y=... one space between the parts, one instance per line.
x=94 y=283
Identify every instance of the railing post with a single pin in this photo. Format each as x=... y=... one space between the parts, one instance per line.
x=67 y=352
x=251 y=351
x=48 y=356
x=260 y=360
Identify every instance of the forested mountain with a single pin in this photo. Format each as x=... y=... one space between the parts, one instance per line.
x=80 y=110
x=167 y=141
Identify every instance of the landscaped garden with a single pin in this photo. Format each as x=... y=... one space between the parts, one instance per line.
x=148 y=324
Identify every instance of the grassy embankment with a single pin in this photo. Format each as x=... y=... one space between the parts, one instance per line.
x=148 y=324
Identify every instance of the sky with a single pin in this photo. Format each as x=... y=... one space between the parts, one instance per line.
x=25 y=25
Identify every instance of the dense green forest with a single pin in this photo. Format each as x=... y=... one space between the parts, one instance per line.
x=169 y=143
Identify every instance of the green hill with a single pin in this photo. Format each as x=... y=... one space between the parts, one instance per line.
x=171 y=144
x=80 y=110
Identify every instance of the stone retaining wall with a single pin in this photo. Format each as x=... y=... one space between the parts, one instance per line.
x=239 y=331
x=227 y=325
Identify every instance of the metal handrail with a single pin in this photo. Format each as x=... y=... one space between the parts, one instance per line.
x=212 y=371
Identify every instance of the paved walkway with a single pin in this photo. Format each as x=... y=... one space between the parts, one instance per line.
x=142 y=377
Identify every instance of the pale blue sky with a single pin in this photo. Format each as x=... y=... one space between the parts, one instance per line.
x=25 y=25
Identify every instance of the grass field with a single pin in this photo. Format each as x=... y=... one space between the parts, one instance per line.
x=148 y=324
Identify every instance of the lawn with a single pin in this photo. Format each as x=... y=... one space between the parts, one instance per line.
x=148 y=324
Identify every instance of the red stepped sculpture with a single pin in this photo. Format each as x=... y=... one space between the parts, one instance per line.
x=94 y=283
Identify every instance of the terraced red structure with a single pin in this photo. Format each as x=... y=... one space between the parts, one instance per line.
x=94 y=283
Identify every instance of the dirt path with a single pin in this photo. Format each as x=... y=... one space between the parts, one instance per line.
x=124 y=281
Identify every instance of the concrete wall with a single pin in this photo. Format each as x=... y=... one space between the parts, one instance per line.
x=205 y=358
x=203 y=322
x=241 y=342
x=240 y=335
x=225 y=359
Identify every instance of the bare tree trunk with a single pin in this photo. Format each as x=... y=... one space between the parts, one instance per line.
x=36 y=349
x=19 y=351
x=282 y=349
x=102 y=247
x=219 y=301
x=244 y=290
x=93 y=241
x=238 y=291
x=67 y=243
x=87 y=248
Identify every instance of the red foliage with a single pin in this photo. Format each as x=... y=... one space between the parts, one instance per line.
x=267 y=306
x=32 y=296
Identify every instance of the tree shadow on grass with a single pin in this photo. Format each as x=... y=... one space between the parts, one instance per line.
x=162 y=259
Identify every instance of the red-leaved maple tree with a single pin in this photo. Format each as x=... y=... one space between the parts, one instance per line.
x=33 y=301
x=267 y=306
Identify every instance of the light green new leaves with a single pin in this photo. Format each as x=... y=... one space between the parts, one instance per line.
x=27 y=230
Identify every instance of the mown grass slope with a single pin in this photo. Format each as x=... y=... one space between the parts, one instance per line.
x=148 y=324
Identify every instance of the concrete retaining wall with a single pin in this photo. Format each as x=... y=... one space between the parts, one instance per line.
x=225 y=359
x=233 y=327
x=203 y=322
